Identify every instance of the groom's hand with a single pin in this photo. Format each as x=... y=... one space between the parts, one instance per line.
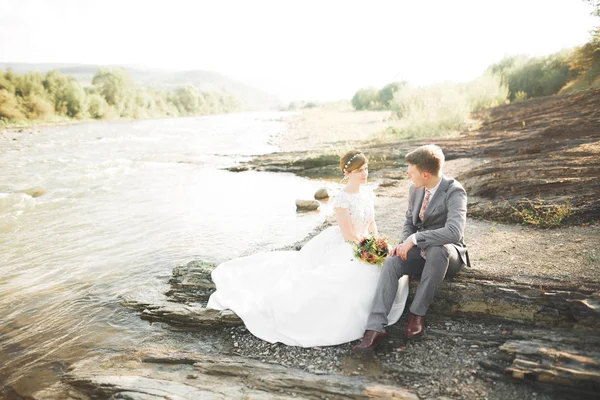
x=394 y=251
x=403 y=248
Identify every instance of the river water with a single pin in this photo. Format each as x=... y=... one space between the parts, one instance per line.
x=93 y=212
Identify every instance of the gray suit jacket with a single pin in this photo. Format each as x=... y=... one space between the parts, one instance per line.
x=444 y=219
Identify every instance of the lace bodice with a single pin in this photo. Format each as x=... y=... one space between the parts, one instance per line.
x=360 y=206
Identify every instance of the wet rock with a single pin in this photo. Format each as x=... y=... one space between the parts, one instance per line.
x=186 y=318
x=192 y=282
x=388 y=182
x=307 y=205
x=239 y=168
x=322 y=193
x=35 y=191
x=393 y=175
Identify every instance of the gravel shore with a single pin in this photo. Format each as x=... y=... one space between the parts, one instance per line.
x=445 y=364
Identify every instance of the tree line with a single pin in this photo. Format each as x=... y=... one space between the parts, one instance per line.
x=112 y=94
x=444 y=108
x=523 y=76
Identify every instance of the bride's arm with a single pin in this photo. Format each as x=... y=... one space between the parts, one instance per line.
x=373 y=225
x=373 y=228
x=342 y=215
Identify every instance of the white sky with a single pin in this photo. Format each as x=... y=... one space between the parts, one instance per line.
x=312 y=50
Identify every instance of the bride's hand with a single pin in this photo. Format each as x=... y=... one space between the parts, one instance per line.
x=358 y=239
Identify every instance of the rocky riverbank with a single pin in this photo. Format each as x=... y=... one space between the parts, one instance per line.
x=546 y=150
x=487 y=332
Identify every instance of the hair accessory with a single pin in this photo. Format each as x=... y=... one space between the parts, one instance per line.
x=350 y=161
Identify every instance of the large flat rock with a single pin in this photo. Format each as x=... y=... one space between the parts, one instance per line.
x=156 y=375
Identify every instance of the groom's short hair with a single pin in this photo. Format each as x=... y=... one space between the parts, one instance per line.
x=428 y=158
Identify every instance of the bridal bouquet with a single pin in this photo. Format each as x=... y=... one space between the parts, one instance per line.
x=371 y=249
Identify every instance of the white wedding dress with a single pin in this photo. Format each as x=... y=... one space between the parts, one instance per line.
x=318 y=296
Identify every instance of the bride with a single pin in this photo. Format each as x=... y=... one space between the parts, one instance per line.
x=320 y=295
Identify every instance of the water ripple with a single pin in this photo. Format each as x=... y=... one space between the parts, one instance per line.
x=120 y=204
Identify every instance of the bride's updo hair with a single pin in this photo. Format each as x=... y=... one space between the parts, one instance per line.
x=352 y=160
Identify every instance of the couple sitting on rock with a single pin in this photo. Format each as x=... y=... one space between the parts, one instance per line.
x=322 y=295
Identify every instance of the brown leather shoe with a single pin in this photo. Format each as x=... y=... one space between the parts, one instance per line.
x=370 y=341
x=415 y=329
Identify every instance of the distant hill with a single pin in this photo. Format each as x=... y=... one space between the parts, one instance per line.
x=251 y=97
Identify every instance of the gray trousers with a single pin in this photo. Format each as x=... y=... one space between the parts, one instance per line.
x=441 y=261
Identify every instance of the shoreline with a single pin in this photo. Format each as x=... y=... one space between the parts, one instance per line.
x=482 y=235
x=515 y=176
x=34 y=126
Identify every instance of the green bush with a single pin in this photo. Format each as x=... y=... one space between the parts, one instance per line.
x=37 y=107
x=53 y=81
x=366 y=99
x=9 y=106
x=586 y=60
x=32 y=83
x=385 y=96
x=97 y=107
x=7 y=81
x=116 y=88
x=540 y=76
x=188 y=100
x=70 y=99
x=112 y=95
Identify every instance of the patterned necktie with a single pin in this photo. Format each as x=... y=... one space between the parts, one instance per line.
x=425 y=204
x=421 y=215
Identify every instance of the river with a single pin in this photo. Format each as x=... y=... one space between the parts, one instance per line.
x=93 y=212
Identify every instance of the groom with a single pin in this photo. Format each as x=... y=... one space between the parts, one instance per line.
x=432 y=244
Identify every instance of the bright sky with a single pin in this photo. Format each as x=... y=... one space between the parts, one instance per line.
x=302 y=49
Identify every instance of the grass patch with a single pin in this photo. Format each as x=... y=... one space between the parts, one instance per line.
x=539 y=213
x=443 y=109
